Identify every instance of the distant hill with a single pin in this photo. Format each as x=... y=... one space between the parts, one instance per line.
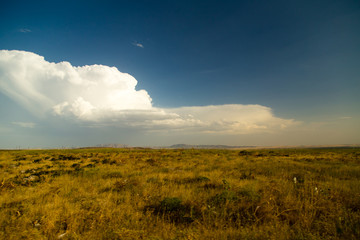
x=187 y=146
x=190 y=146
x=112 y=145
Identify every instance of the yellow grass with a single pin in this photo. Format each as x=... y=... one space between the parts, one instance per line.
x=180 y=194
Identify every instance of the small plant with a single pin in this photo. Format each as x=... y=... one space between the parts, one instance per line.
x=174 y=210
x=191 y=180
x=247 y=175
x=298 y=178
x=222 y=198
x=212 y=186
x=37 y=160
x=75 y=165
x=244 y=153
x=170 y=205
x=226 y=184
x=112 y=175
x=202 y=179
x=90 y=165
x=151 y=162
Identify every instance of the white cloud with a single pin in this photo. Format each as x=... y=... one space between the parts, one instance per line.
x=233 y=118
x=99 y=95
x=24 y=30
x=41 y=86
x=346 y=117
x=138 y=45
x=24 y=124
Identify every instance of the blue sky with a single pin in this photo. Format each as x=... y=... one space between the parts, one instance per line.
x=295 y=62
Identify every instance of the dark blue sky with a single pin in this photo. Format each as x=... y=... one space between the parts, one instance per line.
x=300 y=58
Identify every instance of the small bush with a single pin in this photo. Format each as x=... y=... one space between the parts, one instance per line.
x=75 y=165
x=113 y=175
x=174 y=210
x=244 y=153
x=212 y=186
x=191 y=180
x=222 y=198
x=90 y=165
x=151 y=162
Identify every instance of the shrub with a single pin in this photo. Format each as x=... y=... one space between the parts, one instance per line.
x=172 y=209
x=244 y=153
x=221 y=198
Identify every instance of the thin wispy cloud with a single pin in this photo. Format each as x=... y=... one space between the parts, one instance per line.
x=24 y=124
x=99 y=95
x=138 y=44
x=24 y=30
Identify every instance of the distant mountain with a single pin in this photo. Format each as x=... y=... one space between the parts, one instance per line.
x=112 y=145
x=187 y=146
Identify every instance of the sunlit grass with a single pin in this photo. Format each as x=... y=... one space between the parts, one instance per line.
x=180 y=194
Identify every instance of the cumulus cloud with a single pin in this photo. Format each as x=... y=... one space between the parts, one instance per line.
x=42 y=86
x=99 y=95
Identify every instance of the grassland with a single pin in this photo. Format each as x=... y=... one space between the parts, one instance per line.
x=180 y=194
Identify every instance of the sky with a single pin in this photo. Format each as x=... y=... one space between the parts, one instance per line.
x=157 y=73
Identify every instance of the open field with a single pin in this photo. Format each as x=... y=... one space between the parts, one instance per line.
x=180 y=194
